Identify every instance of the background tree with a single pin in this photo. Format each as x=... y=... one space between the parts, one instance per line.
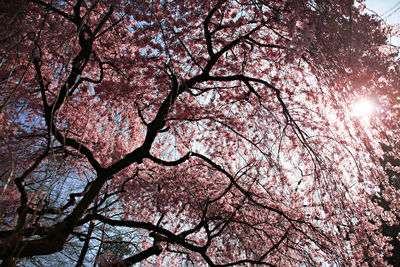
x=219 y=130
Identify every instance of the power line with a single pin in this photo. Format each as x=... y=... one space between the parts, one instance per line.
x=392 y=13
x=390 y=9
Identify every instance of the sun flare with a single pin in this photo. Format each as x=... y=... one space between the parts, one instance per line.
x=363 y=108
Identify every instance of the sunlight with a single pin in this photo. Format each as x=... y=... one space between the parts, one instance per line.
x=363 y=108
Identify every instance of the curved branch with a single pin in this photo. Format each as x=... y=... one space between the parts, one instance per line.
x=207 y=33
x=169 y=163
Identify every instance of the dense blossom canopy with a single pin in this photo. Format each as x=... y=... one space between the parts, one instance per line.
x=220 y=131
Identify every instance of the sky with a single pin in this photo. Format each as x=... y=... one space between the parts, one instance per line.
x=387 y=9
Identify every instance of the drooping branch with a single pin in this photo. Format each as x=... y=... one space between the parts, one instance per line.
x=288 y=117
x=249 y=196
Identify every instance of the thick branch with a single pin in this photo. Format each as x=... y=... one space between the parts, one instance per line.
x=169 y=163
x=153 y=250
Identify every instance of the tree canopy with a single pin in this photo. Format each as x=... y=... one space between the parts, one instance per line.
x=215 y=132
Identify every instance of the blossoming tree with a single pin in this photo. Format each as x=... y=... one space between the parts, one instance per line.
x=218 y=130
